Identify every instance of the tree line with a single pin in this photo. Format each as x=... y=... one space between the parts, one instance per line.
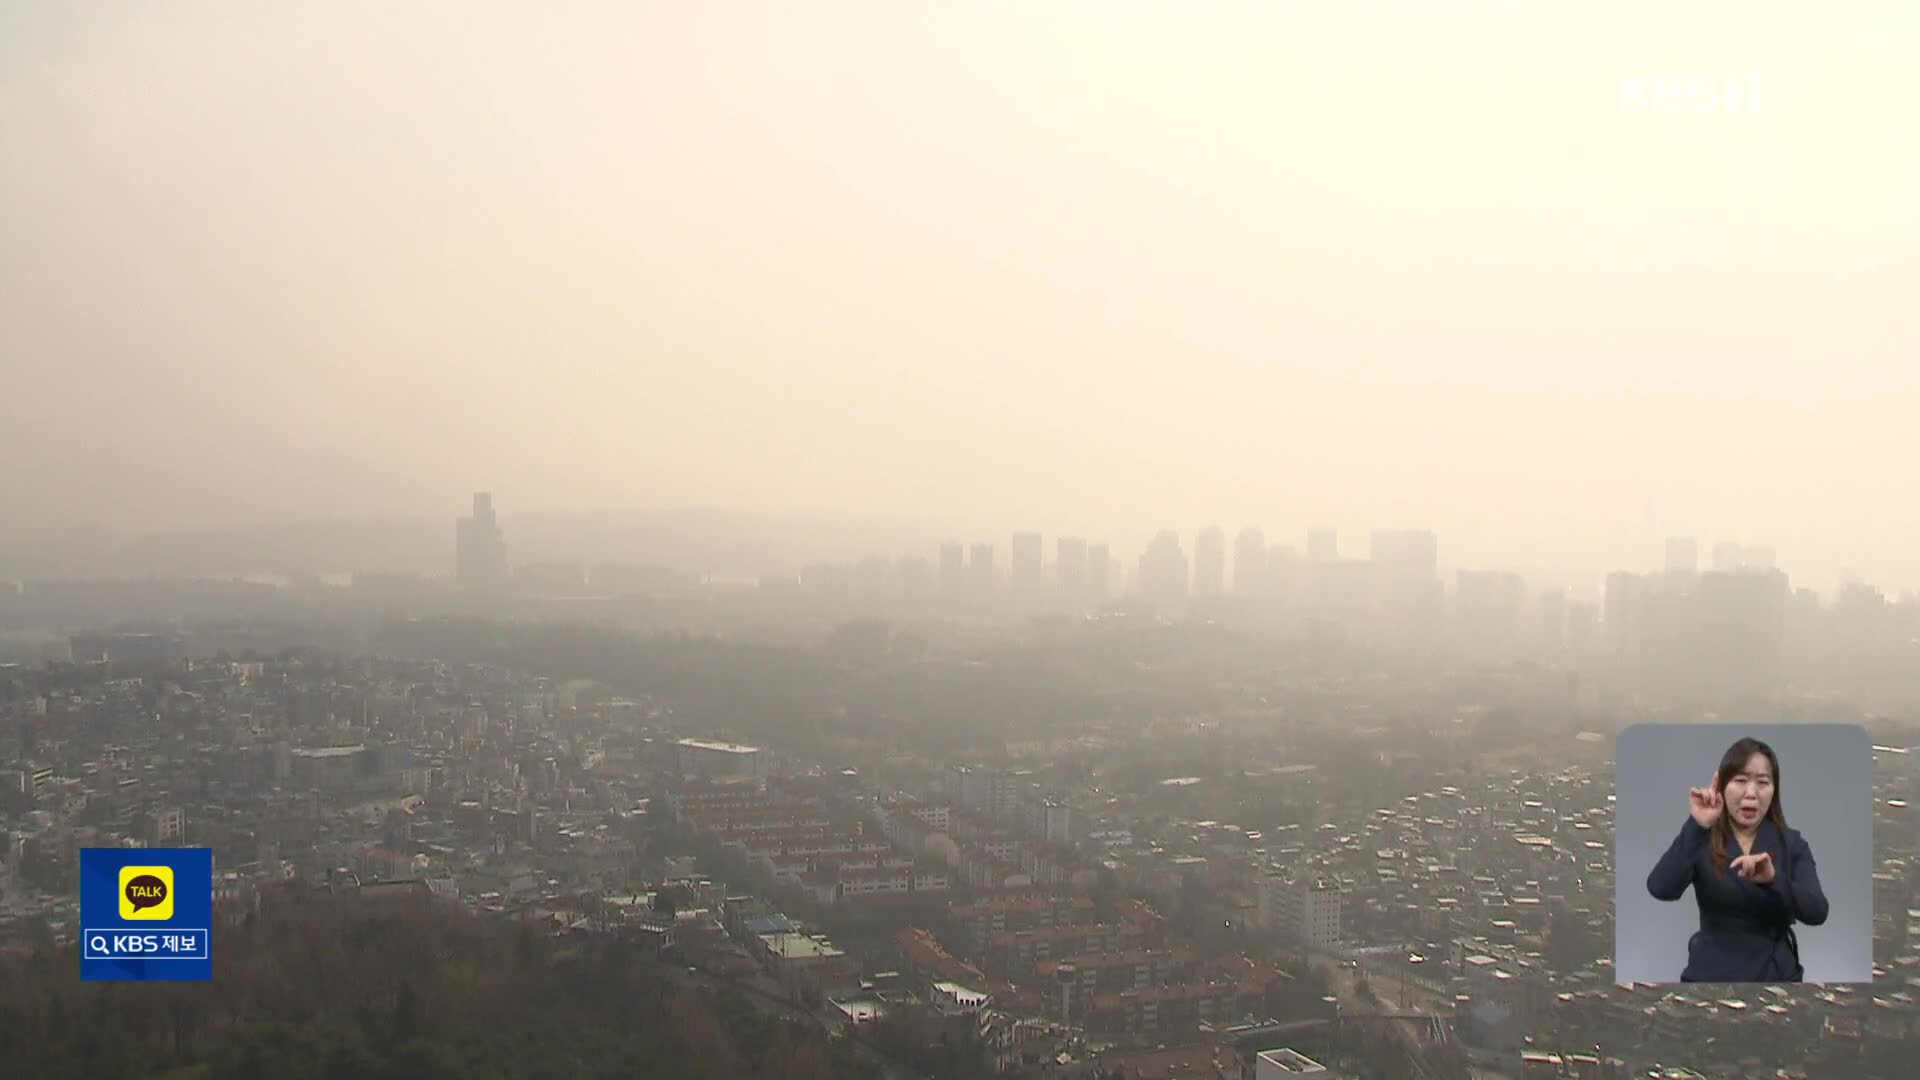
x=324 y=986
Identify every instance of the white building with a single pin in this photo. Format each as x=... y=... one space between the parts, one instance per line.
x=1306 y=910
x=951 y=997
x=1317 y=914
x=1050 y=820
x=1278 y=1064
x=934 y=817
x=856 y=884
x=710 y=760
x=327 y=768
x=986 y=790
x=166 y=826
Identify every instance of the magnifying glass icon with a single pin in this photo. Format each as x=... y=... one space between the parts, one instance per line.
x=97 y=943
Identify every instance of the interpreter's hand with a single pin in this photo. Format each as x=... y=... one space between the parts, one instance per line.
x=1757 y=868
x=1706 y=803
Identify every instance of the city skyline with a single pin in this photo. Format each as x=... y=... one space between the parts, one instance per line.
x=1039 y=272
x=1398 y=558
x=887 y=540
x=611 y=537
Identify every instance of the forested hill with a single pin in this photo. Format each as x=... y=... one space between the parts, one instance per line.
x=330 y=987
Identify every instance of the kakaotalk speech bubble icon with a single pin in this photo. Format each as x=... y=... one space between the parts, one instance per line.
x=146 y=892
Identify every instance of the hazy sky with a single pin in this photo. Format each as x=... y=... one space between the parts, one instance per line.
x=1081 y=266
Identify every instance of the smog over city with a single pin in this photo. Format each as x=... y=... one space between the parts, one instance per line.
x=1103 y=540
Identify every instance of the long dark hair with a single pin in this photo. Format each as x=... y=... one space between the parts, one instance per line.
x=1731 y=763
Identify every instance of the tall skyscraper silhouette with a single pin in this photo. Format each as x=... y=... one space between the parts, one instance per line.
x=1250 y=562
x=953 y=569
x=1406 y=572
x=1406 y=555
x=1070 y=570
x=1553 y=620
x=1740 y=632
x=1099 y=573
x=479 y=550
x=1210 y=562
x=1624 y=616
x=1727 y=557
x=1163 y=579
x=1683 y=555
x=1487 y=604
x=980 y=570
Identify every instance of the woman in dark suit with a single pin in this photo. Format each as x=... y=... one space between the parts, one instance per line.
x=1752 y=876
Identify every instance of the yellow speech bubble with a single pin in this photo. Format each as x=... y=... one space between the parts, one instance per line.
x=146 y=892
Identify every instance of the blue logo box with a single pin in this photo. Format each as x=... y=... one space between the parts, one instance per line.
x=146 y=914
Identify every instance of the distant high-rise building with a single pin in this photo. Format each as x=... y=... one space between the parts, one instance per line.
x=1099 y=572
x=980 y=569
x=1025 y=571
x=1487 y=603
x=479 y=551
x=1406 y=571
x=1323 y=545
x=1553 y=620
x=1163 y=571
x=1250 y=562
x=1683 y=555
x=1625 y=613
x=1741 y=629
x=1406 y=555
x=164 y=825
x=1051 y=819
x=1210 y=562
x=981 y=788
x=1730 y=557
x=1726 y=557
x=953 y=568
x=916 y=575
x=1070 y=569
x=1342 y=592
x=1583 y=621
x=1304 y=909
